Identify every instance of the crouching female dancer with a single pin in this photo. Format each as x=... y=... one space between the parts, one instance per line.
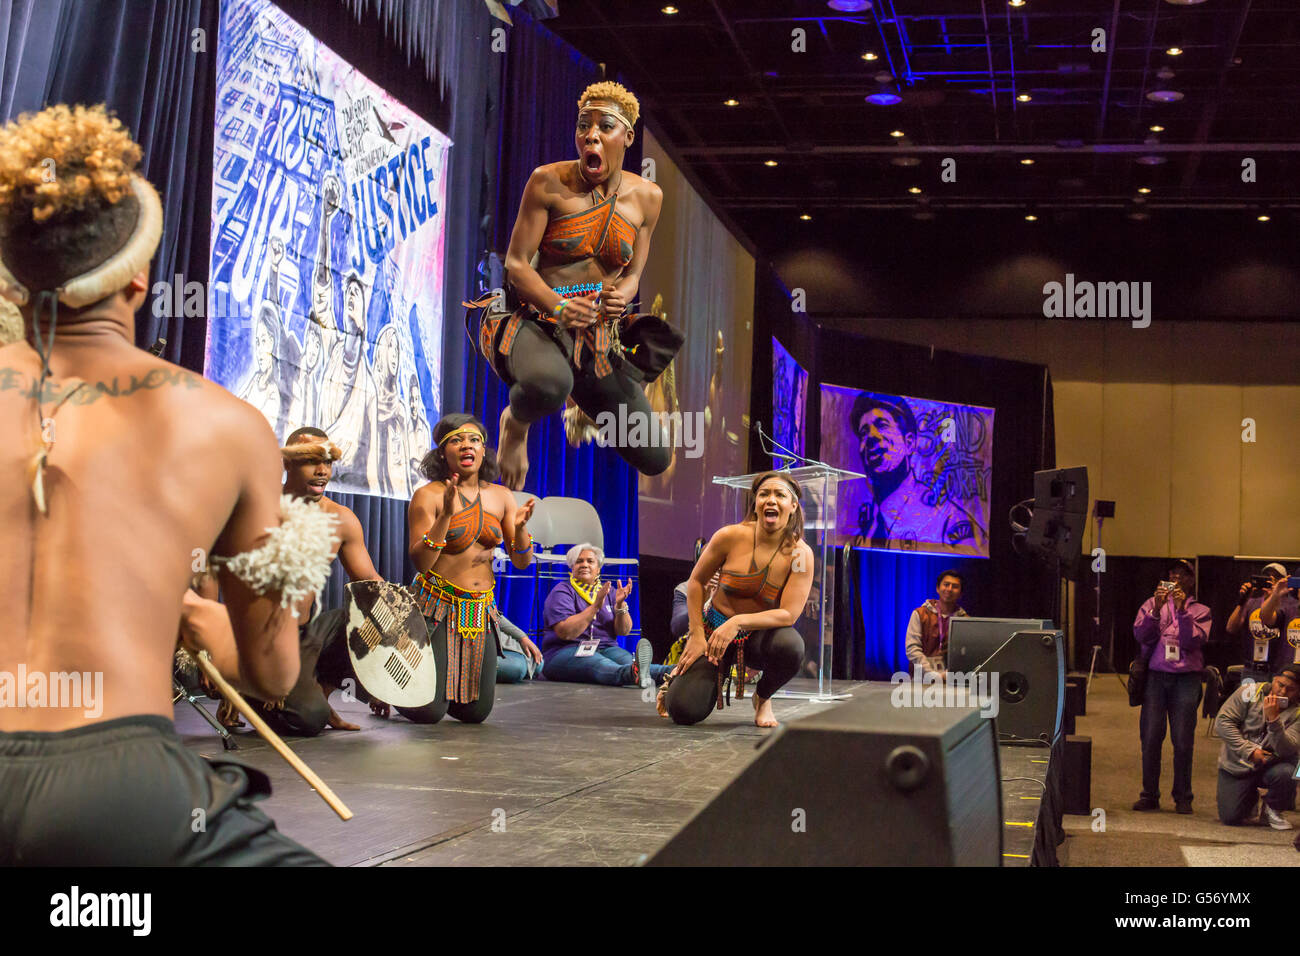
x=455 y=521
x=765 y=573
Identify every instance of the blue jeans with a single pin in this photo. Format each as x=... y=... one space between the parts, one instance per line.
x=513 y=668
x=609 y=665
x=1237 y=795
x=1170 y=698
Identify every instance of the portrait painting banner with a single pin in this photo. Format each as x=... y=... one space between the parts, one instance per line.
x=928 y=464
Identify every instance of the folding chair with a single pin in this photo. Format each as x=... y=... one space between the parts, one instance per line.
x=575 y=520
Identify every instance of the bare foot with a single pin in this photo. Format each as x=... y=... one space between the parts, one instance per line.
x=512 y=451
x=338 y=723
x=661 y=701
x=763 y=712
x=228 y=716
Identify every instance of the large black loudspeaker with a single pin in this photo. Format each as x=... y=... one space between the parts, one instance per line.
x=864 y=783
x=1029 y=661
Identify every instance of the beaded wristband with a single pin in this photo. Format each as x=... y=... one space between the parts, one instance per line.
x=435 y=547
x=522 y=550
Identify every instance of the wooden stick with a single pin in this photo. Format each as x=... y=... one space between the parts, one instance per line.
x=272 y=738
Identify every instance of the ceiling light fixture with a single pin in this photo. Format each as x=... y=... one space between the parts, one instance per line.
x=1164 y=96
x=849 y=6
x=868 y=56
x=914 y=190
x=1026 y=162
x=1144 y=190
x=1157 y=129
x=1015 y=3
x=805 y=217
x=731 y=102
x=769 y=162
x=884 y=99
x=1263 y=217
x=1023 y=98
x=1175 y=51
x=1031 y=218
x=896 y=133
x=669 y=10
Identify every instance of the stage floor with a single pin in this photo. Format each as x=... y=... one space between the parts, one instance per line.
x=559 y=775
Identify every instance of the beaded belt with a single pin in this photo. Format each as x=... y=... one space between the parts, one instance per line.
x=467 y=614
x=713 y=620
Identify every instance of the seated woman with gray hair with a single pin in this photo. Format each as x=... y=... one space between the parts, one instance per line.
x=583 y=623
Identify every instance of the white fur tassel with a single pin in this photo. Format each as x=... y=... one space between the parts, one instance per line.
x=295 y=560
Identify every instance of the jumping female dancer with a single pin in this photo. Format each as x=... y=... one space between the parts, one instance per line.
x=765 y=576
x=589 y=222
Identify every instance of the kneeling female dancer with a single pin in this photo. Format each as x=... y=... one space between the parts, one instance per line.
x=455 y=521
x=765 y=574
x=589 y=223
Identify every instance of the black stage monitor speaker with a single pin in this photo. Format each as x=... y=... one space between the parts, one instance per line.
x=863 y=783
x=1029 y=660
x=1063 y=489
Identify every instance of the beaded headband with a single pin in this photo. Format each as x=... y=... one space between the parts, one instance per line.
x=606 y=107
x=469 y=428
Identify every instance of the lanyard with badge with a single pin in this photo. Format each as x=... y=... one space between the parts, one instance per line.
x=589 y=646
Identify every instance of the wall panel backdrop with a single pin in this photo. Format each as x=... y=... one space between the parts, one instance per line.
x=706 y=279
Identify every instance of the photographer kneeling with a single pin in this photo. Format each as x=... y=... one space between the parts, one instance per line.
x=1261 y=740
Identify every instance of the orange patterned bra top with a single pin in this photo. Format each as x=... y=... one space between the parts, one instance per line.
x=472 y=524
x=598 y=232
x=755 y=584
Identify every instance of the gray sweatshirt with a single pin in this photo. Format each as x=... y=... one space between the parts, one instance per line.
x=1242 y=728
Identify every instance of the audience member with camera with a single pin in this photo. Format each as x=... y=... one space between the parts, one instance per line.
x=1264 y=607
x=1261 y=741
x=1171 y=629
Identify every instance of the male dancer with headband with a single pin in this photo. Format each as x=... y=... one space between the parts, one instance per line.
x=309 y=458
x=114 y=467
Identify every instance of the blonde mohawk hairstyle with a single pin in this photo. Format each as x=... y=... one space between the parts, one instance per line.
x=63 y=159
x=614 y=93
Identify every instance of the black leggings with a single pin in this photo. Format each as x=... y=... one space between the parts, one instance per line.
x=305 y=710
x=777 y=653
x=544 y=377
x=127 y=792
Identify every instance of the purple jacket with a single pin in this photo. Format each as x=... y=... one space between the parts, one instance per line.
x=1188 y=628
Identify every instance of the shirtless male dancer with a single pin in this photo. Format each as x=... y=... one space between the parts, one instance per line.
x=114 y=467
x=309 y=458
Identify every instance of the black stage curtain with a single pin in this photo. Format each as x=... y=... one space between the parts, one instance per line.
x=888 y=584
x=138 y=57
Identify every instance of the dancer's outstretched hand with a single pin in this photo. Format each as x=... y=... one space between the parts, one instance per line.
x=522 y=514
x=612 y=302
x=579 y=312
x=722 y=637
x=695 y=648
x=449 y=494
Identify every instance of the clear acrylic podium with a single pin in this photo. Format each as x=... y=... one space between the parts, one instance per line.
x=820 y=484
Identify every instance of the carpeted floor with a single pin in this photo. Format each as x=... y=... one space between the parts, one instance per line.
x=1162 y=838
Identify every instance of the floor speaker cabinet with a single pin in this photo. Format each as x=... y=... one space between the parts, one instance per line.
x=865 y=783
x=1030 y=669
x=1076 y=776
